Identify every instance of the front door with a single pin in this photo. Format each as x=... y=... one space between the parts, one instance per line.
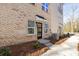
x=39 y=30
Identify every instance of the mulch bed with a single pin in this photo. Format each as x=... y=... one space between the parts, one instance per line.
x=26 y=49
x=59 y=41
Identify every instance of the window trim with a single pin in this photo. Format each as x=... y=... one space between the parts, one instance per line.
x=44 y=7
x=45 y=27
x=31 y=27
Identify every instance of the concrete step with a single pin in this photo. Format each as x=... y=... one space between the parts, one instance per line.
x=44 y=41
x=49 y=44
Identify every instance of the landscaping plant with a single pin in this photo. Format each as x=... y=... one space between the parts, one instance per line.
x=5 y=52
x=36 y=45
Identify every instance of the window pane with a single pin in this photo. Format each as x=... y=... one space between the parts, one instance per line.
x=43 y=8
x=47 y=5
x=46 y=30
x=46 y=25
x=30 y=23
x=43 y=4
x=31 y=30
x=46 y=9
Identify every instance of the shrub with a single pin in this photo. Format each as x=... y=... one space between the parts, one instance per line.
x=68 y=35
x=5 y=52
x=64 y=36
x=36 y=45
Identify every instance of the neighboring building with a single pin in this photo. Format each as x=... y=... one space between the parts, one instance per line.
x=57 y=18
x=21 y=23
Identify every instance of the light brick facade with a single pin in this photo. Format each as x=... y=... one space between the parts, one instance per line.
x=14 y=22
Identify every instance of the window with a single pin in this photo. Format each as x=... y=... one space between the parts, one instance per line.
x=60 y=9
x=31 y=27
x=60 y=30
x=45 y=7
x=46 y=27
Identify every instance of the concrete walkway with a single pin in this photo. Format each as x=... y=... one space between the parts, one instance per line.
x=46 y=42
x=67 y=48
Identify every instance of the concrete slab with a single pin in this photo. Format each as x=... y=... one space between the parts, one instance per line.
x=67 y=48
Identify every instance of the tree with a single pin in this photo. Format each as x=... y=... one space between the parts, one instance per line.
x=74 y=8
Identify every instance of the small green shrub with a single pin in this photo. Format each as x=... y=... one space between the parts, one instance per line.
x=36 y=45
x=5 y=52
x=68 y=35
x=62 y=36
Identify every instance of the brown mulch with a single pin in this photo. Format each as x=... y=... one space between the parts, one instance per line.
x=59 y=41
x=27 y=49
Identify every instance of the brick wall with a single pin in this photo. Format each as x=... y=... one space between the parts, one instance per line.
x=13 y=22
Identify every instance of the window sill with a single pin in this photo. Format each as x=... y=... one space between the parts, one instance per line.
x=30 y=34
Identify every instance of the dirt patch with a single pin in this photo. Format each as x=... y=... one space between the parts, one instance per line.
x=26 y=49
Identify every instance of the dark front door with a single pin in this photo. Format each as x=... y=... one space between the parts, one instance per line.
x=39 y=30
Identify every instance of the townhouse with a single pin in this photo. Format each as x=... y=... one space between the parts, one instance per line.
x=57 y=19
x=27 y=22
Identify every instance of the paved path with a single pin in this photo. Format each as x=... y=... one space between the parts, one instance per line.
x=67 y=48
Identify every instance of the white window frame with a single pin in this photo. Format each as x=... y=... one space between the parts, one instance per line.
x=31 y=27
x=45 y=27
x=45 y=7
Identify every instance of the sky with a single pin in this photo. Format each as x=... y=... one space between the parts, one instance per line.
x=67 y=11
